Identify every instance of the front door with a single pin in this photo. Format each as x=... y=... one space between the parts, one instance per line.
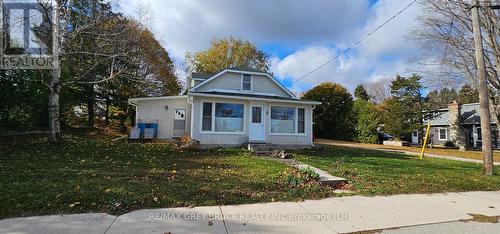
x=414 y=137
x=257 y=130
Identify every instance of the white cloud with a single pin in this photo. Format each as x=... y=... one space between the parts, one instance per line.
x=392 y=39
x=187 y=25
x=383 y=55
x=315 y=30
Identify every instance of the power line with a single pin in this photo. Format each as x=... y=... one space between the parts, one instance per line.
x=355 y=44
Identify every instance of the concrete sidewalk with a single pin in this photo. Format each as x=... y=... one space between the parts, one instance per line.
x=333 y=215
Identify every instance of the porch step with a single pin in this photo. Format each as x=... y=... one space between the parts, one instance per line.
x=262 y=148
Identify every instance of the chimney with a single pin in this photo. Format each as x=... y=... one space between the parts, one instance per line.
x=454 y=110
x=456 y=133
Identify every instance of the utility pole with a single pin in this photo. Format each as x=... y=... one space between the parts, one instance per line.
x=483 y=92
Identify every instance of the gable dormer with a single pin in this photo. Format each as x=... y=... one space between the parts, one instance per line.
x=241 y=80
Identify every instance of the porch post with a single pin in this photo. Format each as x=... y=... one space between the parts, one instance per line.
x=474 y=136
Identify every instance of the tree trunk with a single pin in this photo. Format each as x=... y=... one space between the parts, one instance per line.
x=55 y=85
x=54 y=116
x=108 y=102
x=90 y=109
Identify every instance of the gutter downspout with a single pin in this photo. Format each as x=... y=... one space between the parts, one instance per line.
x=135 y=106
x=189 y=100
x=312 y=126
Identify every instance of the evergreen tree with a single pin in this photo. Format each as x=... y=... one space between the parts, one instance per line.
x=468 y=94
x=361 y=93
x=405 y=110
x=438 y=99
x=367 y=121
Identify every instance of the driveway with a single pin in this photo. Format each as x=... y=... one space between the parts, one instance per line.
x=328 y=142
x=417 y=213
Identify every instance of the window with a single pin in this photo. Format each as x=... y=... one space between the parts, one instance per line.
x=282 y=119
x=443 y=134
x=206 y=124
x=246 y=83
x=228 y=117
x=301 y=123
x=256 y=114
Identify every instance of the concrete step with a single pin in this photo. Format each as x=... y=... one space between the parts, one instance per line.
x=262 y=147
x=324 y=177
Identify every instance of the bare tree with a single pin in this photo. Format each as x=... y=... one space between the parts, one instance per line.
x=379 y=90
x=445 y=32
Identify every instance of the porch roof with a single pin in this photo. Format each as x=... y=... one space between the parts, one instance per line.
x=250 y=96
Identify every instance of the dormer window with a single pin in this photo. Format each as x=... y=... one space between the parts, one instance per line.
x=246 y=82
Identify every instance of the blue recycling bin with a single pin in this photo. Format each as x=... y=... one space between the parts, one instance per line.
x=153 y=126
x=141 y=126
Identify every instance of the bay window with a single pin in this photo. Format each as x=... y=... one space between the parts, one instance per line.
x=206 y=122
x=288 y=120
x=301 y=121
x=226 y=117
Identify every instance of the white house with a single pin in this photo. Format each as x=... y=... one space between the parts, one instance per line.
x=231 y=108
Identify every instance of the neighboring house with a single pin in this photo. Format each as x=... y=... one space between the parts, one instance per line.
x=467 y=117
x=231 y=108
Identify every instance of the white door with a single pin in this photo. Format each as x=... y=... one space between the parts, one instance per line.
x=179 y=123
x=257 y=130
x=414 y=137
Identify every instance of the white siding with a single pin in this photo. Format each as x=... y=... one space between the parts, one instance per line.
x=154 y=111
x=217 y=139
x=285 y=139
x=231 y=81
x=263 y=84
x=236 y=139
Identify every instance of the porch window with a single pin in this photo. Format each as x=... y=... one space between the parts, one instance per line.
x=443 y=134
x=246 y=83
x=228 y=117
x=282 y=119
x=301 y=120
x=206 y=124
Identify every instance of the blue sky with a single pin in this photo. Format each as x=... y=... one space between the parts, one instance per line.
x=298 y=35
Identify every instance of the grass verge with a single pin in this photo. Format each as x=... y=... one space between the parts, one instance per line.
x=373 y=172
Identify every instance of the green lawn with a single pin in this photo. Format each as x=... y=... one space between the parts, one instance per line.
x=97 y=175
x=375 y=172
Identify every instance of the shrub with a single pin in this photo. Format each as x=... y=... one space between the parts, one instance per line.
x=301 y=177
x=309 y=174
x=449 y=144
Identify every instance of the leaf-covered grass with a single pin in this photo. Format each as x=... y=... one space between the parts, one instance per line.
x=469 y=154
x=97 y=175
x=374 y=172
